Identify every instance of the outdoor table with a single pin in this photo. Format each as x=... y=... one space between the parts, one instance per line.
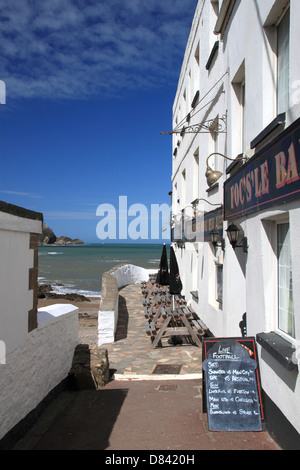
x=178 y=322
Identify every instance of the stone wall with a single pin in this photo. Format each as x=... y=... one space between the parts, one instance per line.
x=90 y=367
x=112 y=281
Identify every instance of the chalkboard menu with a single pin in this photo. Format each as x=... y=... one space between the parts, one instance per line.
x=231 y=384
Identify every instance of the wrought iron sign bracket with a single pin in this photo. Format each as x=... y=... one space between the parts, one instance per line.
x=218 y=126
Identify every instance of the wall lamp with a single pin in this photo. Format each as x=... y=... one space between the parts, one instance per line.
x=233 y=233
x=215 y=239
x=212 y=176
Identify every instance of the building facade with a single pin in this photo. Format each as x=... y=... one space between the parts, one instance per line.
x=36 y=344
x=236 y=173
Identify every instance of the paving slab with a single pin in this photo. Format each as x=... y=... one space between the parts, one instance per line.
x=135 y=415
x=132 y=352
x=139 y=410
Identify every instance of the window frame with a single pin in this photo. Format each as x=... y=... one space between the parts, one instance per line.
x=218 y=299
x=287 y=11
x=270 y=272
x=279 y=330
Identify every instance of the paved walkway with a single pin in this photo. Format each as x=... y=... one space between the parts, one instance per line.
x=132 y=353
x=157 y=413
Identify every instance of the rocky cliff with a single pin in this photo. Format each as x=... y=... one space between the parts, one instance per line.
x=68 y=241
x=48 y=237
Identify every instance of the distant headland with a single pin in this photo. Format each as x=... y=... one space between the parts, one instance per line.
x=48 y=237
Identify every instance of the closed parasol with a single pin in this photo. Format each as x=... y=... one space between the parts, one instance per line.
x=175 y=288
x=174 y=278
x=162 y=277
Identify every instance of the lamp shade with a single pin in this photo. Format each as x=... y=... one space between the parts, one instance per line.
x=212 y=176
x=233 y=234
x=214 y=237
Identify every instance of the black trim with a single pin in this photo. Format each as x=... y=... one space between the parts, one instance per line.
x=195 y=295
x=194 y=102
x=278 y=426
x=264 y=151
x=234 y=164
x=214 y=186
x=20 y=211
x=213 y=52
x=279 y=348
x=278 y=121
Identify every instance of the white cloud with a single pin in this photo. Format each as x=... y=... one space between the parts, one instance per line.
x=19 y=193
x=81 y=48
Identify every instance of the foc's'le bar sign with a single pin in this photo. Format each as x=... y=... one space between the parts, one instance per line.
x=271 y=177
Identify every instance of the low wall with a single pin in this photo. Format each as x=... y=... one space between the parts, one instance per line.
x=38 y=365
x=109 y=308
x=112 y=281
x=130 y=274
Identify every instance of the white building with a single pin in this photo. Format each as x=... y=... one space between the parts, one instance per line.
x=36 y=345
x=238 y=100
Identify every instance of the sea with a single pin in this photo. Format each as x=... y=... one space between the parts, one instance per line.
x=79 y=269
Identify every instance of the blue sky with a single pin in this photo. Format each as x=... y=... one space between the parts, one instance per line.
x=89 y=87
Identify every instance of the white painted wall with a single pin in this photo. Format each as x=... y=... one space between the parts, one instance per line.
x=40 y=363
x=16 y=299
x=15 y=261
x=130 y=274
x=198 y=260
x=108 y=318
x=248 y=48
x=31 y=364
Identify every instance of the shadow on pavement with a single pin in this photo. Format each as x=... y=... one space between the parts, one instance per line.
x=76 y=420
x=122 y=326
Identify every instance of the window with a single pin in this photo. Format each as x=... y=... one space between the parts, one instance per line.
x=283 y=63
x=216 y=162
x=184 y=107
x=286 y=318
x=239 y=110
x=197 y=55
x=196 y=68
x=225 y=12
x=196 y=174
x=195 y=264
x=243 y=116
x=175 y=201
x=219 y=283
x=183 y=190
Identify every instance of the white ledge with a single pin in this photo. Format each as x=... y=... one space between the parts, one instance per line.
x=53 y=313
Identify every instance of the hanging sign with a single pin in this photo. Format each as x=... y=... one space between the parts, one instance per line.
x=231 y=385
x=213 y=221
x=271 y=177
x=198 y=229
x=205 y=223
